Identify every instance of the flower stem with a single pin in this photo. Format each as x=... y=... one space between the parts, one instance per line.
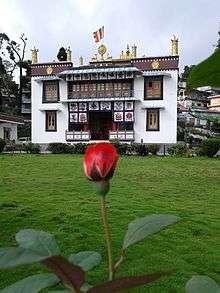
x=107 y=236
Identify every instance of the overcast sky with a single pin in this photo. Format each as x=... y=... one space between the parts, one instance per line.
x=50 y=24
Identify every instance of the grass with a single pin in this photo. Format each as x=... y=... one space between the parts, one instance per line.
x=50 y=192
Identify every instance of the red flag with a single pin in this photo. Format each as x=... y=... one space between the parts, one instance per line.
x=99 y=34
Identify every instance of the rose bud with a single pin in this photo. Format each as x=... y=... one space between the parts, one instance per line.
x=99 y=164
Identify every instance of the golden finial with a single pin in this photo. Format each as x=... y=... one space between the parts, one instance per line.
x=102 y=49
x=80 y=60
x=174 y=46
x=134 y=51
x=69 y=54
x=95 y=58
x=34 y=57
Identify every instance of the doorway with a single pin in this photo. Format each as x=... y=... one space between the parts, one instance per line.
x=99 y=124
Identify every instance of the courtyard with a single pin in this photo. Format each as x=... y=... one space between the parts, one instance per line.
x=51 y=193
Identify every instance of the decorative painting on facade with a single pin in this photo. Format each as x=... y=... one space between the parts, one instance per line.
x=129 y=116
x=74 y=117
x=94 y=106
x=82 y=117
x=105 y=106
x=118 y=117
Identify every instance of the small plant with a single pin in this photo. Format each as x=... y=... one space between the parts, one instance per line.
x=177 y=150
x=2 y=145
x=100 y=162
x=32 y=148
x=210 y=146
x=153 y=148
x=58 y=148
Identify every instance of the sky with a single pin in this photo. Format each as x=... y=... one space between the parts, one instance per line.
x=150 y=24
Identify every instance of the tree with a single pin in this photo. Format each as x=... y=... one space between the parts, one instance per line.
x=62 y=55
x=16 y=54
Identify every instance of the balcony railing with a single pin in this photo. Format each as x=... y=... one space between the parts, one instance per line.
x=77 y=135
x=101 y=94
x=122 y=135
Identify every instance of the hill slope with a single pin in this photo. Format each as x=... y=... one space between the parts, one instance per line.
x=206 y=73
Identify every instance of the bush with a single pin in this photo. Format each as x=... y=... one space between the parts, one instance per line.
x=2 y=145
x=80 y=148
x=59 y=148
x=122 y=148
x=209 y=147
x=177 y=150
x=153 y=148
x=32 y=148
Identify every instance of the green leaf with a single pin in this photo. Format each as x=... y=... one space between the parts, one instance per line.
x=41 y=242
x=32 y=284
x=202 y=284
x=14 y=256
x=126 y=283
x=142 y=227
x=87 y=260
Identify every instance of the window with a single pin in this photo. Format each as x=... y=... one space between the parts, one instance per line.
x=50 y=91
x=51 y=121
x=153 y=89
x=153 y=120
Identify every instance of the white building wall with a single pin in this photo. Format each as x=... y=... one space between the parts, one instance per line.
x=13 y=132
x=39 y=133
x=168 y=111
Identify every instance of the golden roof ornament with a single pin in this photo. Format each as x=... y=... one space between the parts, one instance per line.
x=174 y=46
x=80 y=60
x=34 y=56
x=102 y=49
x=69 y=54
x=155 y=64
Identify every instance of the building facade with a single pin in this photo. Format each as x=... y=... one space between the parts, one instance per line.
x=129 y=99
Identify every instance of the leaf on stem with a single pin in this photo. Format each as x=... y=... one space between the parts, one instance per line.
x=32 y=284
x=40 y=242
x=142 y=227
x=127 y=283
x=14 y=256
x=87 y=260
x=70 y=274
x=202 y=284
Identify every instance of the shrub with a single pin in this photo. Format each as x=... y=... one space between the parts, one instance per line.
x=122 y=148
x=58 y=148
x=2 y=145
x=153 y=148
x=79 y=148
x=177 y=150
x=32 y=148
x=210 y=146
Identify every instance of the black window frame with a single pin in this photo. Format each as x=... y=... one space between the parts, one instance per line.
x=151 y=79
x=44 y=100
x=46 y=121
x=158 y=119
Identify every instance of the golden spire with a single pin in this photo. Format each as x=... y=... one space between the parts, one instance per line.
x=80 y=60
x=174 y=46
x=34 y=57
x=69 y=55
x=134 y=51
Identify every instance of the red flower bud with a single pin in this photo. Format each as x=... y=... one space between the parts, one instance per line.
x=100 y=161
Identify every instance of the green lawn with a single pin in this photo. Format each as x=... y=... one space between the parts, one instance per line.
x=50 y=192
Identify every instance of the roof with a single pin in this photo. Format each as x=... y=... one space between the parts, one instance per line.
x=11 y=119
